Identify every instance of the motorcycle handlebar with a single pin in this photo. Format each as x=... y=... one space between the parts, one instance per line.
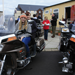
x=22 y=32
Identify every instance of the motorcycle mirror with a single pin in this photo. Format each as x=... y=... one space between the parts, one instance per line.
x=61 y=22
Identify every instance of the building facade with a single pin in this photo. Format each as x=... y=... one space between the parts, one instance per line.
x=61 y=10
x=33 y=9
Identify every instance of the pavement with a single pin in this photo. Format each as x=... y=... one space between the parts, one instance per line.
x=52 y=43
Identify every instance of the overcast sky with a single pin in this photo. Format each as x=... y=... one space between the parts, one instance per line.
x=10 y=5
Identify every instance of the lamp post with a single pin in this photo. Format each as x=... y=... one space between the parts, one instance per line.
x=3 y=10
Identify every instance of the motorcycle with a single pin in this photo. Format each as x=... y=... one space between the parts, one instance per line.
x=67 y=47
x=12 y=50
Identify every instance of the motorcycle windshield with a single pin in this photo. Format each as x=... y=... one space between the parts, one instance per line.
x=8 y=26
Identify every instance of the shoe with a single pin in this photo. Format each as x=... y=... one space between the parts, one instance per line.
x=53 y=36
x=46 y=39
x=33 y=55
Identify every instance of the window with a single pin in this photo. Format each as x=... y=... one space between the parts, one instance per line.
x=46 y=12
x=29 y=11
x=56 y=12
x=24 y=11
x=39 y=11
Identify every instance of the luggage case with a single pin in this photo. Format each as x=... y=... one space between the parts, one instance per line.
x=41 y=31
x=40 y=44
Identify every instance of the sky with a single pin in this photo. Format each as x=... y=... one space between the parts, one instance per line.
x=10 y=5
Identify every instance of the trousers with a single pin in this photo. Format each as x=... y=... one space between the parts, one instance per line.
x=53 y=30
x=45 y=34
x=26 y=41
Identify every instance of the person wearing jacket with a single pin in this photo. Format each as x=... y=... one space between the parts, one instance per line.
x=46 y=24
x=54 y=23
x=39 y=17
x=25 y=38
x=70 y=26
x=34 y=30
x=36 y=19
x=32 y=23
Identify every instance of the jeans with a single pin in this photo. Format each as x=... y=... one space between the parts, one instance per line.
x=26 y=41
x=45 y=34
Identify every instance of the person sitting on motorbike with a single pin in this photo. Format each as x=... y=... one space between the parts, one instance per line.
x=25 y=38
x=34 y=30
x=32 y=23
x=70 y=26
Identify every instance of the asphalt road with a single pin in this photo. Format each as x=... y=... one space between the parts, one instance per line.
x=45 y=63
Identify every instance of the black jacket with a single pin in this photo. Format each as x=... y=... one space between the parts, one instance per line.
x=34 y=27
x=70 y=26
x=39 y=17
x=54 y=21
x=36 y=20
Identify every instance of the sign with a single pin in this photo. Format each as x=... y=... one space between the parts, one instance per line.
x=50 y=10
x=73 y=12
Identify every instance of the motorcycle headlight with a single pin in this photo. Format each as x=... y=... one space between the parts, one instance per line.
x=1 y=47
x=65 y=30
x=65 y=60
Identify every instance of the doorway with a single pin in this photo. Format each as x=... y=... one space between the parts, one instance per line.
x=67 y=12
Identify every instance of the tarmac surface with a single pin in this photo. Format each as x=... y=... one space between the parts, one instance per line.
x=45 y=63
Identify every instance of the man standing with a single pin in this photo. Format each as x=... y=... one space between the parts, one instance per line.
x=39 y=17
x=36 y=19
x=54 y=23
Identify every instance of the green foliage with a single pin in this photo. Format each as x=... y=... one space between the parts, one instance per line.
x=59 y=31
x=50 y=29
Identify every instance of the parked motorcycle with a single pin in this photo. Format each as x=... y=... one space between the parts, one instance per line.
x=67 y=47
x=12 y=50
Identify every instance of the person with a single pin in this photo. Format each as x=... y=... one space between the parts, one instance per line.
x=54 y=23
x=18 y=19
x=32 y=23
x=34 y=30
x=35 y=19
x=39 y=17
x=46 y=24
x=25 y=38
x=70 y=26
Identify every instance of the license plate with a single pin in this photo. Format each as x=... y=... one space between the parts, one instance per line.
x=65 y=30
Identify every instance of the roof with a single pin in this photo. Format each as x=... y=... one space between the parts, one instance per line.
x=59 y=4
x=31 y=7
x=17 y=9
